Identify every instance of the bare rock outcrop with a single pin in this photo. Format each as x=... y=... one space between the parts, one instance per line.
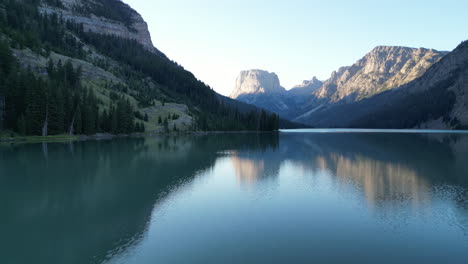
x=306 y=87
x=256 y=82
x=384 y=68
x=136 y=29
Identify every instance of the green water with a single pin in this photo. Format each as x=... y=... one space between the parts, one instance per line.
x=237 y=198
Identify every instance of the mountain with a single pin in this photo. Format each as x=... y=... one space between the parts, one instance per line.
x=248 y=108
x=110 y=17
x=382 y=69
x=435 y=100
x=300 y=95
x=256 y=82
x=306 y=88
x=263 y=89
x=89 y=66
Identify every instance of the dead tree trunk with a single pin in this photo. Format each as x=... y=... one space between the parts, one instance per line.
x=46 y=124
x=72 y=126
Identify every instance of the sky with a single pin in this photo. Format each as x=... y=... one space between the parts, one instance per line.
x=296 y=39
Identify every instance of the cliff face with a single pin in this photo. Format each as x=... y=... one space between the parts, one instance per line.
x=382 y=69
x=256 y=82
x=263 y=89
x=306 y=88
x=435 y=100
x=130 y=26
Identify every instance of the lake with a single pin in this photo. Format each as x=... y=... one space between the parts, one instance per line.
x=341 y=197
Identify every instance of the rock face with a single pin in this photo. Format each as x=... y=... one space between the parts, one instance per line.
x=306 y=88
x=335 y=102
x=445 y=85
x=263 y=89
x=256 y=82
x=435 y=100
x=382 y=69
x=137 y=28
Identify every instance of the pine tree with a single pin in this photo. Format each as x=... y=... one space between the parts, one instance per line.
x=36 y=110
x=6 y=58
x=56 y=110
x=166 y=125
x=51 y=69
x=6 y=63
x=129 y=123
x=140 y=127
x=21 y=126
x=137 y=127
x=104 y=121
x=78 y=124
x=121 y=117
x=2 y=100
x=90 y=113
x=113 y=120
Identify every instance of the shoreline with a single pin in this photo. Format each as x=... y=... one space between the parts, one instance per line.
x=107 y=136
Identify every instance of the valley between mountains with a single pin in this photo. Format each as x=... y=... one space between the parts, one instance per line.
x=89 y=66
x=390 y=87
x=84 y=67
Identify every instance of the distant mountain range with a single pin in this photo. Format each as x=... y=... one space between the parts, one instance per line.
x=263 y=89
x=89 y=66
x=390 y=87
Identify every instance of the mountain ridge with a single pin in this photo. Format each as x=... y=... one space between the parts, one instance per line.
x=121 y=83
x=74 y=10
x=383 y=68
x=437 y=99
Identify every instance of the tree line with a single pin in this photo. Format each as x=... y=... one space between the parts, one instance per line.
x=42 y=33
x=180 y=84
x=25 y=27
x=57 y=103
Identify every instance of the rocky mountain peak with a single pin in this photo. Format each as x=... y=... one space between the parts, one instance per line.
x=312 y=81
x=256 y=82
x=384 y=68
x=111 y=17
x=307 y=87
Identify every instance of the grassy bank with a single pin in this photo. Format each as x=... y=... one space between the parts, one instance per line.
x=8 y=137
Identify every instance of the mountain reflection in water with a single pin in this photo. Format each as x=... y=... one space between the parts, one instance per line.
x=98 y=201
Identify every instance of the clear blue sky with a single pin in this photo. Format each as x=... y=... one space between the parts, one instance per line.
x=297 y=39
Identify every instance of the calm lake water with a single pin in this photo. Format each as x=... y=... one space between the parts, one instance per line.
x=237 y=198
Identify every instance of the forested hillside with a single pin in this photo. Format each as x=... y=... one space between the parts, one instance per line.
x=49 y=81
